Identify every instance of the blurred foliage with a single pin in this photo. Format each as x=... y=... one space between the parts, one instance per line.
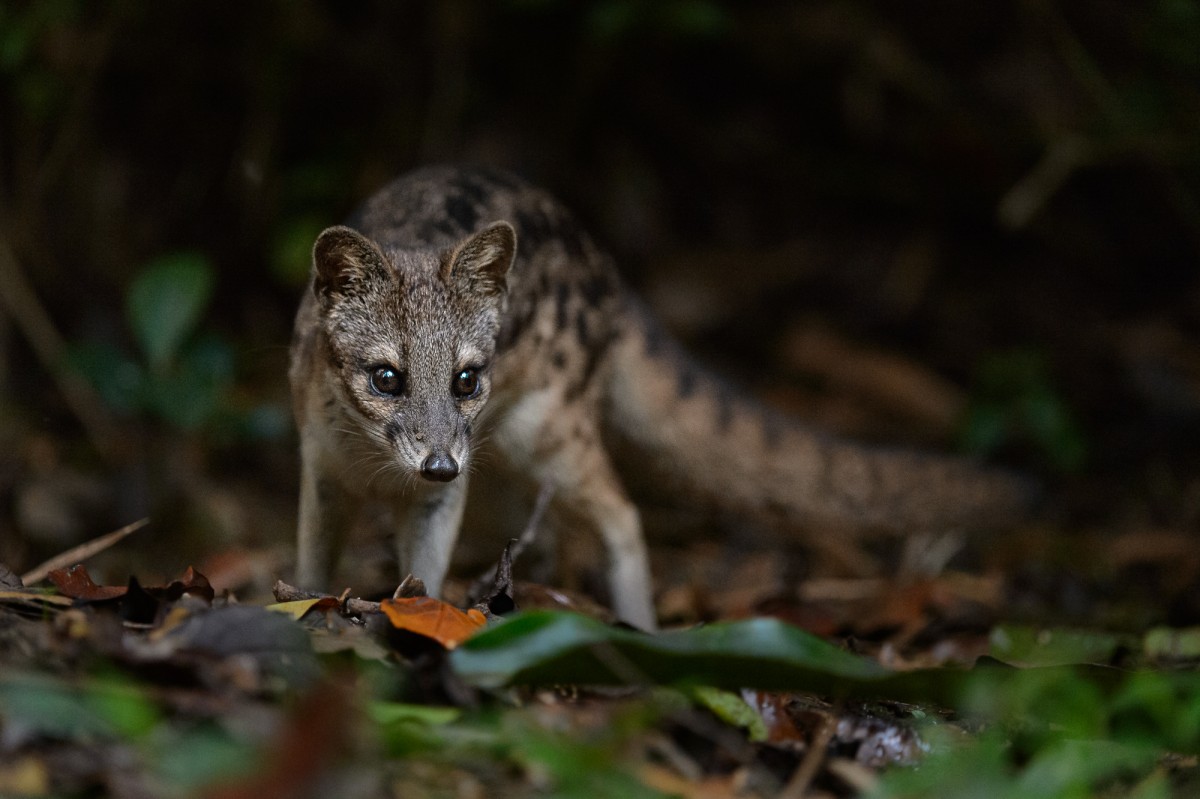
x=1015 y=404
x=1067 y=731
x=184 y=377
x=1045 y=150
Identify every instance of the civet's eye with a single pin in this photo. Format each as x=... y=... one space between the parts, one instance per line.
x=466 y=383
x=387 y=381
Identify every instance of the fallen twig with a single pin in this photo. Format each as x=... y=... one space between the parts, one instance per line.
x=352 y=605
x=810 y=764
x=80 y=553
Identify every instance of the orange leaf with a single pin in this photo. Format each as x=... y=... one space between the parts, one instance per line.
x=433 y=618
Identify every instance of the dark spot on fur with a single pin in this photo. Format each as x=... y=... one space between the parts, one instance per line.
x=775 y=509
x=462 y=211
x=581 y=326
x=687 y=381
x=724 y=408
x=874 y=483
x=572 y=243
x=516 y=323
x=392 y=431
x=561 y=294
x=473 y=189
x=437 y=229
x=535 y=227
x=594 y=356
x=496 y=177
x=596 y=288
x=824 y=471
x=560 y=359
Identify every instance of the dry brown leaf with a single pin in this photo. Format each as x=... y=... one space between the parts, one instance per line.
x=76 y=583
x=433 y=618
x=772 y=709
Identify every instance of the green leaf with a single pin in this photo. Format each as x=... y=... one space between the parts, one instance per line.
x=1070 y=767
x=165 y=302
x=191 y=759
x=1166 y=643
x=121 y=382
x=1028 y=646
x=406 y=728
x=395 y=712
x=551 y=648
x=192 y=392
x=732 y=709
x=124 y=705
x=291 y=249
x=48 y=707
x=1048 y=703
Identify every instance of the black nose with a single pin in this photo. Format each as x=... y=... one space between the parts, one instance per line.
x=439 y=467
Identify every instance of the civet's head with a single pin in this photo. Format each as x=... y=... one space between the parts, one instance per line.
x=412 y=337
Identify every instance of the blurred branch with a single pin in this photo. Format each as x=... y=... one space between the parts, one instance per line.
x=19 y=299
x=80 y=553
x=1057 y=167
x=71 y=126
x=1031 y=193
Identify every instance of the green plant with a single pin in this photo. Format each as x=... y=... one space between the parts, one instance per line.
x=183 y=375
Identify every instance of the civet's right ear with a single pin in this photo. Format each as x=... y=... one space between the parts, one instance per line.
x=345 y=263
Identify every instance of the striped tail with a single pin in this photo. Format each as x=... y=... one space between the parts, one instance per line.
x=695 y=435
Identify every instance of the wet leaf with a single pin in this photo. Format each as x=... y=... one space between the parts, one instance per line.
x=434 y=619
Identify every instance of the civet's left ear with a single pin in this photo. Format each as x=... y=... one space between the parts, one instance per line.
x=481 y=262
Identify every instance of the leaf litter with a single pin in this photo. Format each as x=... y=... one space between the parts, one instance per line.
x=176 y=690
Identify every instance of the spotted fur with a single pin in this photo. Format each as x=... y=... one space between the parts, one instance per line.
x=425 y=281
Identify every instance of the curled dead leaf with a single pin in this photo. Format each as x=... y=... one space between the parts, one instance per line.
x=433 y=618
x=76 y=583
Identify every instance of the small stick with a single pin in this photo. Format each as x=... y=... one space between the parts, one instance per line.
x=520 y=544
x=545 y=494
x=33 y=320
x=352 y=605
x=804 y=774
x=80 y=553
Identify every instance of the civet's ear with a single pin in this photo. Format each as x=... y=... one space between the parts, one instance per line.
x=345 y=262
x=481 y=262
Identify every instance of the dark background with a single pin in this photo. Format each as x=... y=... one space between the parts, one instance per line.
x=957 y=225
